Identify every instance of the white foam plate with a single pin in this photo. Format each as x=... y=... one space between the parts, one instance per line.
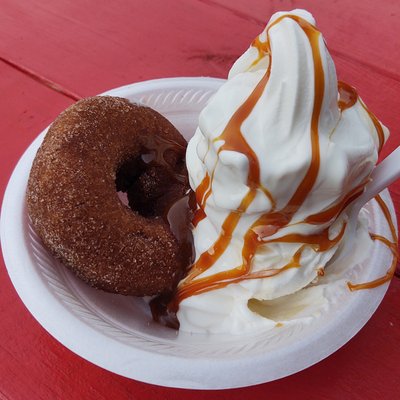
x=117 y=332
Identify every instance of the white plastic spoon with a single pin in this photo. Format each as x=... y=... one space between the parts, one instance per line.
x=384 y=174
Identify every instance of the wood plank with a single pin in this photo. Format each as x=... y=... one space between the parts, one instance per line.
x=27 y=107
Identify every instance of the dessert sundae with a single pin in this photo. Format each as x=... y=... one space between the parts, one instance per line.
x=280 y=151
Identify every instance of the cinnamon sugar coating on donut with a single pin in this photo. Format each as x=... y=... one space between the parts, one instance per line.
x=74 y=206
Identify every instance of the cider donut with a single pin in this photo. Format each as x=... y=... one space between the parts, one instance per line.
x=96 y=148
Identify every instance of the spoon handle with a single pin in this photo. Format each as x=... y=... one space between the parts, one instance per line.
x=384 y=174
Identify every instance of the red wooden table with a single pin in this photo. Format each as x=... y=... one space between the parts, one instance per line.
x=53 y=51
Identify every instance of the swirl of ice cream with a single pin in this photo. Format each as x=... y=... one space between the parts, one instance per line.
x=279 y=153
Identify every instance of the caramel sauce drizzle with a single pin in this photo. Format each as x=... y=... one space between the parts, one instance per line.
x=202 y=193
x=378 y=126
x=318 y=242
x=274 y=220
x=225 y=278
x=388 y=217
x=235 y=141
x=262 y=48
x=348 y=97
x=201 y=198
x=209 y=257
x=332 y=212
x=391 y=245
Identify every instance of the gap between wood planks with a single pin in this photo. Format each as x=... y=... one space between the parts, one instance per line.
x=3 y=396
x=41 y=79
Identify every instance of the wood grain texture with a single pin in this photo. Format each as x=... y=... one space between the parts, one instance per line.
x=90 y=46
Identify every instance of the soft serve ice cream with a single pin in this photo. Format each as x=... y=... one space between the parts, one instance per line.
x=280 y=151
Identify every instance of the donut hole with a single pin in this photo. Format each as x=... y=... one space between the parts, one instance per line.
x=147 y=187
